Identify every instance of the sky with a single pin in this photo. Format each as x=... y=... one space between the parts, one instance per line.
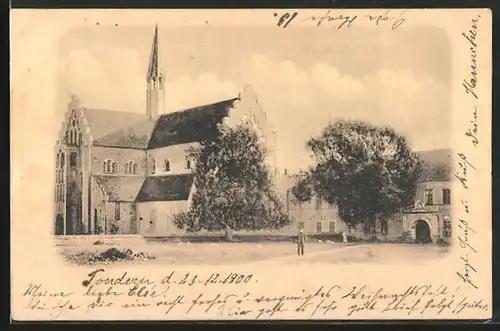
x=304 y=77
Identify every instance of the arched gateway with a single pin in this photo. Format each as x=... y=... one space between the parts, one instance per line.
x=422 y=232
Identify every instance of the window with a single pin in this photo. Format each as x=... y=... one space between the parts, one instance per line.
x=131 y=167
x=331 y=226
x=167 y=166
x=188 y=164
x=318 y=203
x=446 y=196
x=319 y=227
x=117 y=210
x=153 y=166
x=447 y=228
x=109 y=166
x=62 y=160
x=429 y=198
x=72 y=159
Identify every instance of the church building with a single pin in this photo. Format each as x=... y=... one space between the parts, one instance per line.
x=121 y=172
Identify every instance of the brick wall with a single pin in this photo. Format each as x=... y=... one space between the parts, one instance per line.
x=120 y=156
x=176 y=155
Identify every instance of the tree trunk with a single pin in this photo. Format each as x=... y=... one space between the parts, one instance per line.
x=373 y=228
x=228 y=234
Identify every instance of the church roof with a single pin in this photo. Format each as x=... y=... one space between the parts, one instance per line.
x=191 y=125
x=112 y=128
x=166 y=188
x=437 y=165
x=102 y=122
x=120 y=188
x=134 y=136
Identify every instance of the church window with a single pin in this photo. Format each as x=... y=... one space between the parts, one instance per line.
x=131 y=167
x=109 y=166
x=62 y=160
x=167 y=166
x=72 y=159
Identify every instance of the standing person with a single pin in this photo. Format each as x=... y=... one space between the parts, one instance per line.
x=301 y=240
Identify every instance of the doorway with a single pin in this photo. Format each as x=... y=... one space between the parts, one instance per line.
x=422 y=232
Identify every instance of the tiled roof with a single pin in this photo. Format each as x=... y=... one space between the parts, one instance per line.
x=134 y=136
x=437 y=165
x=166 y=188
x=195 y=124
x=103 y=122
x=120 y=188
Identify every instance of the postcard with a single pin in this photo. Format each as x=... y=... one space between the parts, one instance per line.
x=312 y=164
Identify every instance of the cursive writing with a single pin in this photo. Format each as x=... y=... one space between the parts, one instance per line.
x=463 y=166
x=54 y=302
x=472 y=132
x=468 y=270
x=471 y=81
x=326 y=301
x=342 y=20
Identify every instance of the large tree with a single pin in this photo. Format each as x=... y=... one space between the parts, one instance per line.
x=233 y=189
x=368 y=172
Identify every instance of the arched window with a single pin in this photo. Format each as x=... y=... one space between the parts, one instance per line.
x=131 y=167
x=62 y=160
x=167 y=166
x=188 y=164
x=109 y=166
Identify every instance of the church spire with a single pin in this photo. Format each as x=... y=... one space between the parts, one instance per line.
x=154 y=71
x=155 y=82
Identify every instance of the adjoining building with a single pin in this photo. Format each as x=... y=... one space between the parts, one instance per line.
x=120 y=172
x=428 y=220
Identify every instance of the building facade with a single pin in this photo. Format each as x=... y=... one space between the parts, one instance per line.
x=428 y=220
x=119 y=172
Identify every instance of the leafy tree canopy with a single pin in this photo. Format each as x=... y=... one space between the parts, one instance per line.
x=233 y=186
x=369 y=172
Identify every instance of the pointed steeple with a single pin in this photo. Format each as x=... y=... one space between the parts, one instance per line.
x=155 y=80
x=154 y=71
